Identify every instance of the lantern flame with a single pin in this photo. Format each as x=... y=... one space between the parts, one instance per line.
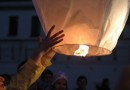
x=82 y=50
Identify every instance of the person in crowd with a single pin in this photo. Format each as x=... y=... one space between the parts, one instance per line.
x=45 y=80
x=81 y=83
x=2 y=86
x=4 y=80
x=97 y=86
x=60 y=82
x=37 y=63
x=105 y=84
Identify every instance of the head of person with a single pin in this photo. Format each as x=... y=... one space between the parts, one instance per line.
x=105 y=82
x=60 y=81
x=4 y=81
x=47 y=76
x=82 y=82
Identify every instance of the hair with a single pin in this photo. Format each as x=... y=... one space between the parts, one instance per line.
x=104 y=81
x=58 y=76
x=47 y=71
x=7 y=79
x=82 y=77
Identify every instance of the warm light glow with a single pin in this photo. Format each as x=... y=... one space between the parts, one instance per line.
x=82 y=50
x=96 y=23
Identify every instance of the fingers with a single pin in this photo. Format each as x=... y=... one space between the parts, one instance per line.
x=54 y=43
x=55 y=40
x=58 y=41
x=50 y=41
x=56 y=34
x=50 y=31
x=58 y=37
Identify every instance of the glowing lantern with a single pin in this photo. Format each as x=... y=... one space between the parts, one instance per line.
x=91 y=27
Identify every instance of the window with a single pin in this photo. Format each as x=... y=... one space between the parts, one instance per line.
x=35 y=27
x=13 y=25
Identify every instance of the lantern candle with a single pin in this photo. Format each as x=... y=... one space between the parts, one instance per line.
x=82 y=50
x=91 y=27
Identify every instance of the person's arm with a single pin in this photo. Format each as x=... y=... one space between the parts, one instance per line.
x=40 y=59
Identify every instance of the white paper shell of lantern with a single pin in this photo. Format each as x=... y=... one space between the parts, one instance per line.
x=93 y=24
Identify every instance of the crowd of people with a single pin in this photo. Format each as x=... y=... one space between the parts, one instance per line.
x=29 y=71
x=51 y=81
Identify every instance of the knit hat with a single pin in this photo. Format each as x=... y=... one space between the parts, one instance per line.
x=58 y=76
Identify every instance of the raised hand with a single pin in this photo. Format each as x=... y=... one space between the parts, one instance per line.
x=49 y=40
x=46 y=44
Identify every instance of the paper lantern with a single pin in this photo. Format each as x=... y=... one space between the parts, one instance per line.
x=91 y=27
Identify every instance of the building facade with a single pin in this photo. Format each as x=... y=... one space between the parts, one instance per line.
x=19 y=28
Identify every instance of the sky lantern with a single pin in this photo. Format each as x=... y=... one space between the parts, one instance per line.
x=91 y=27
